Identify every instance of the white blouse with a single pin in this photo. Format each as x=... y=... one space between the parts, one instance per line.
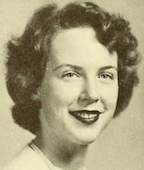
x=31 y=158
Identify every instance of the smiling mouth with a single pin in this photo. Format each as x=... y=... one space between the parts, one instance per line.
x=85 y=116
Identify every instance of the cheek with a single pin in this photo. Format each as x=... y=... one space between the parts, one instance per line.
x=67 y=92
x=109 y=95
x=62 y=93
x=109 y=98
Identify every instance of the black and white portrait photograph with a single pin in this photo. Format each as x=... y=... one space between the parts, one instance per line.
x=72 y=85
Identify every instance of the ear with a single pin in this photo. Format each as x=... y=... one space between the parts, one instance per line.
x=36 y=96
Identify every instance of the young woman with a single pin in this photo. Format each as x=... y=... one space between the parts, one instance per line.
x=69 y=74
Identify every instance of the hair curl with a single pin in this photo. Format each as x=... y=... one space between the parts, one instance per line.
x=28 y=54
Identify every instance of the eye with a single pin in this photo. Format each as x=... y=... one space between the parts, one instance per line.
x=106 y=77
x=70 y=75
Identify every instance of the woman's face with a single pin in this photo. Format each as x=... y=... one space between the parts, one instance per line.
x=80 y=88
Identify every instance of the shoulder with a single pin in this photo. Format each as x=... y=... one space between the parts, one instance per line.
x=26 y=160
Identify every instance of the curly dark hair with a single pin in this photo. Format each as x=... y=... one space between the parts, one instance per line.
x=28 y=54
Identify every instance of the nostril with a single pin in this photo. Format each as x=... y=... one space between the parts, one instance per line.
x=88 y=98
x=92 y=100
x=90 y=91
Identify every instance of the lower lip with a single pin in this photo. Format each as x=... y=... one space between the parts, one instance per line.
x=84 y=120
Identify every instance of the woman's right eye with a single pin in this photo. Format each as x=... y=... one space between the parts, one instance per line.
x=70 y=75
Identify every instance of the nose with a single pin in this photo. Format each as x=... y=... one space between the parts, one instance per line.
x=90 y=92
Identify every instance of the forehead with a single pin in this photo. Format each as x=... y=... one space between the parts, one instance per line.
x=74 y=37
x=76 y=45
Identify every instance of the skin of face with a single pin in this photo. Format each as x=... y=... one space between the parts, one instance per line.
x=80 y=75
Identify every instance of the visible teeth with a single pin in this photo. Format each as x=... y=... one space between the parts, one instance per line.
x=87 y=116
x=84 y=115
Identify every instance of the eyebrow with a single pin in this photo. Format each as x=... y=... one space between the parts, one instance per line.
x=68 y=65
x=79 y=68
x=108 y=67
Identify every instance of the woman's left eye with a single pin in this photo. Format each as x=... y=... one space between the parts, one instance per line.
x=106 y=76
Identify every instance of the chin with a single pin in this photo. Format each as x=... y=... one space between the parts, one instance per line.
x=87 y=139
x=87 y=142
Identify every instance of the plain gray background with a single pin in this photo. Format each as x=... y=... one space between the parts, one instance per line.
x=121 y=145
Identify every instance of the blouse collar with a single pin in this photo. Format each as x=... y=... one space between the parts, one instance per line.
x=45 y=159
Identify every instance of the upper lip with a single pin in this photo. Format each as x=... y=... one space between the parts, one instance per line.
x=87 y=111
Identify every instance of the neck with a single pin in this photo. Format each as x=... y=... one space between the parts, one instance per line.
x=62 y=153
